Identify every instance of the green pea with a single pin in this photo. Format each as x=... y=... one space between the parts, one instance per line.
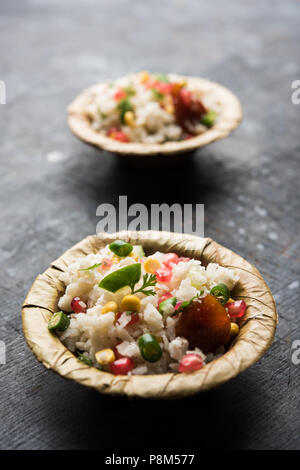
x=209 y=118
x=59 y=321
x=221 y=292
x=121 y=248
x=149 y=347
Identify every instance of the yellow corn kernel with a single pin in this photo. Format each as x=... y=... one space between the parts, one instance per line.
x=170 y=108
x=144 y=76
x=234 y=330
x=129 y=118
x=109 y=307
x=105 y=356
x=131 y=302
x=151 y=265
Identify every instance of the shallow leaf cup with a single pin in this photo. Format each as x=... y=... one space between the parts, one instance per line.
x=257 y=328
x=164 y=154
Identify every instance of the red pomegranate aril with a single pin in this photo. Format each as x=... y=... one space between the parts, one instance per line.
x=134 y=318
x=106 y=264
x=190 y=363
x=164 y=297
x=119 y=95
x=185 y=96
x=163 y=275
x=169 y=259
x=77 y=305
x=122 y=366
x=236 y=309
x=184 y=259
x=121 y=136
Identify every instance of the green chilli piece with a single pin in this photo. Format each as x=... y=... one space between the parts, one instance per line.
x=149 y=347
x=221 y=292
x=209 y=118
x=164 y=306
x=121 y=248
x=124 y=105
x=127 y=276
x=59 y=321
x=138 y=250
x=85 y=359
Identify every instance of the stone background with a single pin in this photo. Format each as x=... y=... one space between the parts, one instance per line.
x=51 y=185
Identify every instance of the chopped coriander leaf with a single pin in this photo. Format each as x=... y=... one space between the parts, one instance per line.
x=101 y=114
x=90 y=268
x=157 y=94
x=149 y=280
x=124 y=105
x=129 y=90
x=162 y=77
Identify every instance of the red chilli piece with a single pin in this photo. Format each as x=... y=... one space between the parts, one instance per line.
x=170 y=259
x=78 y=306
x=190 y=363
x=122 y=366
x=163 y=274
x=236 y=309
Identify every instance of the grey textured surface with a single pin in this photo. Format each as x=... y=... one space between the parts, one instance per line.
x=248 y=183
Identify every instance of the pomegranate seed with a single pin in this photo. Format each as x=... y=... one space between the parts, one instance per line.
x=120 y=94
x=164 y=297
x=164 y=88
x=185 y=96
x=184 y=259
x=111 y=131
x=77 y=305
x=169 y=259
x=236 y=309
x=190 y=363
x=121 y=136
x=106 y=264
x=122 y=366
x=163 y=274
x=134 y=318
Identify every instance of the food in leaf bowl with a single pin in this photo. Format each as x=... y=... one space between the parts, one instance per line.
x=128 y=314
x=148 y=114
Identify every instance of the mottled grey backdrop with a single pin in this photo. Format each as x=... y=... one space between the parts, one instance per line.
x=51 y=185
